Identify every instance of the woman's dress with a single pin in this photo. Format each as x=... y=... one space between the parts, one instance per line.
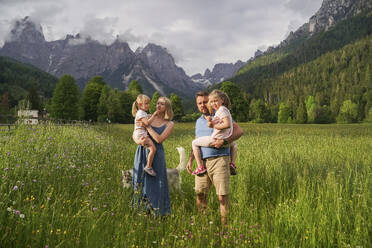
x=151 y=193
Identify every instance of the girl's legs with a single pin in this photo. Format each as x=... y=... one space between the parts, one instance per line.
x=233 y=152
x=151 y=147
x=152 y=150
x=196 y=144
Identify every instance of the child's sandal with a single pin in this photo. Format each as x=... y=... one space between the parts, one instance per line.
x=199 y=171
x=233 y=169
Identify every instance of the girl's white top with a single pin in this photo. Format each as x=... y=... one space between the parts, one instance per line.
x=222 y=112
x=137 y=129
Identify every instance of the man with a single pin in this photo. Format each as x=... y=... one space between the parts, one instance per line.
x=216 y=161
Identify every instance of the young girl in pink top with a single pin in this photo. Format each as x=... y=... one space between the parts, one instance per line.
x=222 y=129
x=139 y=111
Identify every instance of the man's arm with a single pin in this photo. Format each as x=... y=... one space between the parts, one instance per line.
x=189 y=163
x=237 y=133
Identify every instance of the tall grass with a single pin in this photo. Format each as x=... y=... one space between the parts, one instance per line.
x=297 y=186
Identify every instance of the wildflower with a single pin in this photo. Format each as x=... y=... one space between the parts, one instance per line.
x=95 y=209
x=22 y=216
x=6 y=169
x=9 y=209
x=17 y=212
x=15 y=188
x=8 y=153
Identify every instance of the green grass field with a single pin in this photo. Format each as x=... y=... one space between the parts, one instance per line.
x=297 y=186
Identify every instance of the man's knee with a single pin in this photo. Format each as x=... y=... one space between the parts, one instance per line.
x=223 y=199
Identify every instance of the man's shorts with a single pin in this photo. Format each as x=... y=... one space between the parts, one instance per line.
x=218 y=174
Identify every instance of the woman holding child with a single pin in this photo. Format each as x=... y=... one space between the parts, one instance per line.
x=151 y=189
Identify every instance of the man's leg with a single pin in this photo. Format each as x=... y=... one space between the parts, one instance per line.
x=224 y=208
x=202 y=186
x=202 y=202
x=219 y=172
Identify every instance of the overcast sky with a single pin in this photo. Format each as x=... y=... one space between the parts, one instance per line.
x=198 y=33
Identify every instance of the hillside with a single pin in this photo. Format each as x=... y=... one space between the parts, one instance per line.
x=333 y=65
x=17 y=79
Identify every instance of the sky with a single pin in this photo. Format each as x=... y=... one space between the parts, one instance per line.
x=198 y=33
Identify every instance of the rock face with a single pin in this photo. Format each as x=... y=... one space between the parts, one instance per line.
x=84 y=58
x=219 y=73
x=330 y=13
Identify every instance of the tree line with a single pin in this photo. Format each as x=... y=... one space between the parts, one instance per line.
x=99 y=103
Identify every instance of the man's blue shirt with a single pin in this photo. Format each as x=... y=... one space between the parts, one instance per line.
x=202 y=129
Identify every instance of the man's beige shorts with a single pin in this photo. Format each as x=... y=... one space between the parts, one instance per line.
x=218 y=174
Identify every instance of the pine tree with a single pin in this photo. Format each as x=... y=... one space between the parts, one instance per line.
x=284 y=113
x=239 y=103
x=134 y=89
x=34 y=99
x=301 y=113
x=348 y=112
x=90 y=98
x=103 y=104
x=65 y=100
x=176 y=106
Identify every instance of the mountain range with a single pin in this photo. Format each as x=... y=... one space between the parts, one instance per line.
x=83 y=57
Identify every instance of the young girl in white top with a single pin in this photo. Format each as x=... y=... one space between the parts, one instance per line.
x=139 y=108
x=222 y=129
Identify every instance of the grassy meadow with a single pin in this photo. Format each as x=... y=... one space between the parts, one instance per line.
x=297 y=186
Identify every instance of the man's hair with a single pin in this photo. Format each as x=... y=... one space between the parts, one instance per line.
x=201 y=93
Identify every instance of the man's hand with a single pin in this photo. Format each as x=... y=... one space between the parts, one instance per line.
x=217 y=143
x=188 y=167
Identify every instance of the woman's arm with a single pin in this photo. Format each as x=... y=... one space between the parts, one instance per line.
x=223 y=123
x=164 y=135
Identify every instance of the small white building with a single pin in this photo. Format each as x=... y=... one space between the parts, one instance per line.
x=28 y=116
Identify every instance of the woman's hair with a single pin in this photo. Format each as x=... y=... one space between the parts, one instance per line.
x=141 y=98
x=222 y=95
x=168 y=115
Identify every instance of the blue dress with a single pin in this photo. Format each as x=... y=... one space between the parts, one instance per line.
x=151 y=192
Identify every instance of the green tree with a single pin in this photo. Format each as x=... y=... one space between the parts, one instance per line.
x=239 y=103
x=103 y=104
x=369 y=116
x=301 y=115
x=284 y=113
x=258 y=111
x=134 y=89
x=177 y=107
x=126 y=102
x=348 y=112
x=65 y=100
x=90 y=98
x=311 y=109
x=115 y=111
x=34 y=99
x=4 y=107
x=154 y=100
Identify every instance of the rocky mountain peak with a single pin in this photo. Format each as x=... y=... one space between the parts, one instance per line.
x=330 y=13
x=27 y=30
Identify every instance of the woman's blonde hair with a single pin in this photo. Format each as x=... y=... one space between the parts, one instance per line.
x=141 y=98
x=168 y=115
x=222 y=95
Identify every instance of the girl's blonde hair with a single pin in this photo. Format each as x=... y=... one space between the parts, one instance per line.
x=222 y=95
x=141 y=98
x=168 y=115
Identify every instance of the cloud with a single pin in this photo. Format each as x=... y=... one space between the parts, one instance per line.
x=197 y=33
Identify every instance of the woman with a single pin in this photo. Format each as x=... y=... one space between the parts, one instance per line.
x=151 y=192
